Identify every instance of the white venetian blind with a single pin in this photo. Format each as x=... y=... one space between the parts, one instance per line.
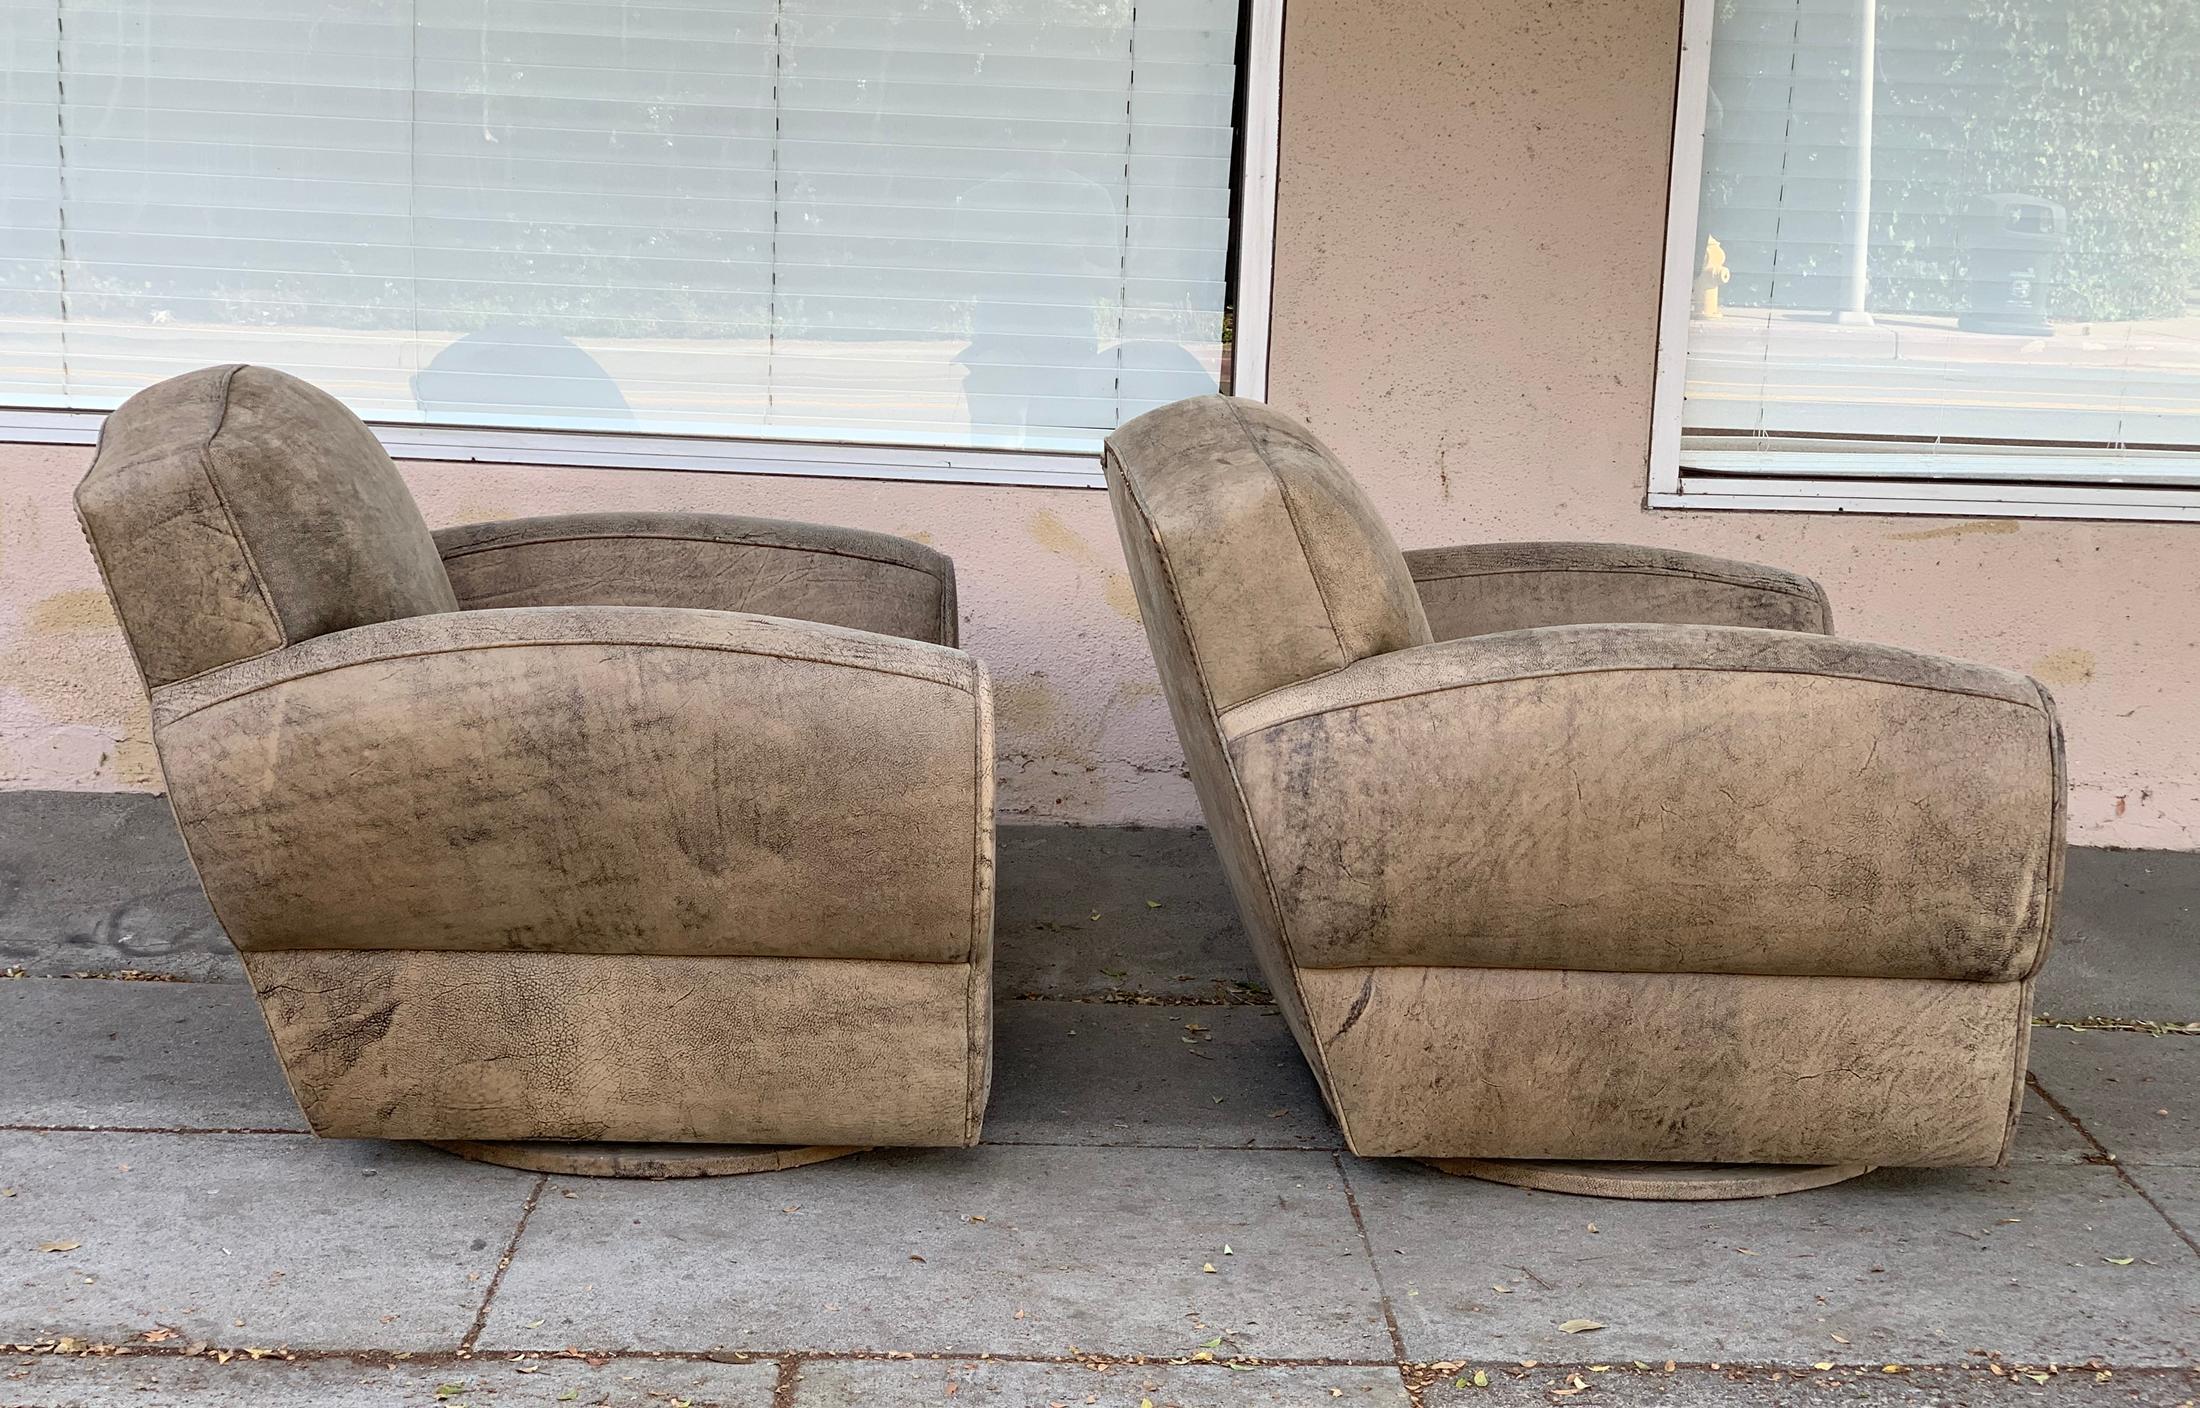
x=1964 y=229
x=992 y=223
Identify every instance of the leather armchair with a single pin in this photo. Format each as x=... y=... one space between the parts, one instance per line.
x=621 y=827
x=1589 y=852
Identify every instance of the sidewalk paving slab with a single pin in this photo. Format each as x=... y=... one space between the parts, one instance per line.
x=1192 y=1077
x=145 y=1381
x=2177 y=1192
x=2139 y=1095
x=1003 y=1250
x=2044 y=1136
x=1856 y=1386
x=99 y=882
x=2127 y=938
x=1092 y=911
x=98 y=1053
x=260 y=1240
x=978 y=1383
x=1911 y=1266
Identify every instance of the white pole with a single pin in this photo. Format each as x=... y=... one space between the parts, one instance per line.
x=1856 y=296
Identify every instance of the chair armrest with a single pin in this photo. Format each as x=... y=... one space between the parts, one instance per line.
x=592 y=780
x=806 y=571
x=1488 y=587
x=1660 y=799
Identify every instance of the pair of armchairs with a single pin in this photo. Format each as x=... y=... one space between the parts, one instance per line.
x=556 y=839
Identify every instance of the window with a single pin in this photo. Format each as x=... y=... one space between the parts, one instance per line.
x=953 y=238
x=1934 y=256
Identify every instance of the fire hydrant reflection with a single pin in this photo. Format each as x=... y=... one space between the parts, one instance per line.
x=1708 y=279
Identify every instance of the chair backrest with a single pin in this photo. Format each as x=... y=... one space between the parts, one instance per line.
x=237 y=510
x=1258 y=563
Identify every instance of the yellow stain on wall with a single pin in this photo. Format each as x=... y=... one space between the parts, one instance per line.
x=1050 y=532
x=2069 y=665
x=1986 y=526
x=85 y=609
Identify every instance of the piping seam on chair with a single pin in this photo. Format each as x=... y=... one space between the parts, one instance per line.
x=1617 y=670
x=2021 y=1049
x=542 y=644
x=982 y=803
x=244 y=547
x=739 y=957
x=949 y=630
x=99 y=561
x=1283 y=495
x=2057 y=829
x=1250 y=701
x=1322 y=1078
x=1743 y=583
x=478 y=549
x=976 y=1050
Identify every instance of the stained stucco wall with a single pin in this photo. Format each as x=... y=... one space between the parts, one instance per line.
x=1470 y=235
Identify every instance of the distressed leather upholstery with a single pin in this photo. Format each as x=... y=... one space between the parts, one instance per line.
x=237 y=510
x=1593 y=852
x=659 y=827
x=1488 y=587
x=837 y=576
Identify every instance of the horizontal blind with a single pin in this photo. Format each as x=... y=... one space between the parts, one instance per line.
x=988 y=223
x=2030 y=223
x=30 y=203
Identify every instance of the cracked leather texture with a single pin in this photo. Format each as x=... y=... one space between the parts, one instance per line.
x=398 y=1045
x=1489 y=587
x=811 y=572
x=592 y=779
x=1553 y=887
x=1713 y=1068
x=1661 y=799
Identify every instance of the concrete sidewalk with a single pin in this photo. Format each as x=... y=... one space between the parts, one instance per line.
x=169 y=1234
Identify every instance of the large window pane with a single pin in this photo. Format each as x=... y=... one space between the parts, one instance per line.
x=1938 y=221
x=994 y=223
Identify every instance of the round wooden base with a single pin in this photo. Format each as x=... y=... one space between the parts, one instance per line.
x=1669 y=1183
x=588 y=1160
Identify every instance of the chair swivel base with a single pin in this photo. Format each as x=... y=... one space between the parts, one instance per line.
x=583 y=1159
x=1652 y=1182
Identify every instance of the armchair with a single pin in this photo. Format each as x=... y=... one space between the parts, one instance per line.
x=1582 y=865
x=634 y=829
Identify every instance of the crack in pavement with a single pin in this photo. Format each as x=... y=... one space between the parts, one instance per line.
x=2105 y=1157
x=1382 y=1289
x=504 y=1263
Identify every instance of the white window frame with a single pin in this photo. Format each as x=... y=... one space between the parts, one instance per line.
x=1252 y=237
x=2162 y=486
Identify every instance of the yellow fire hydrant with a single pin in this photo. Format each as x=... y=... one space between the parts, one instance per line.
x=1708 y=279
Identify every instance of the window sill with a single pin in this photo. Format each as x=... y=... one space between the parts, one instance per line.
x=580 y=449
x=1942 y=497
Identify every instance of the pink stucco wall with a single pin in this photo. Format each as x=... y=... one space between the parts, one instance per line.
x=1470 y=230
